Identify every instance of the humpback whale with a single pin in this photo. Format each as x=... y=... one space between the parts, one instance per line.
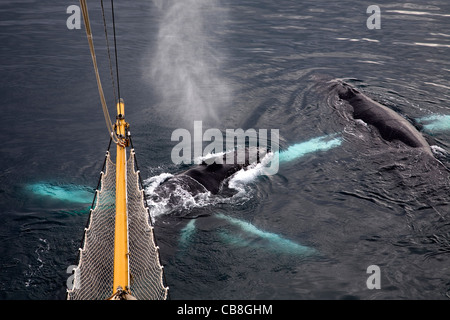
x=205 y=177
x=212 y=177
x=390 y=124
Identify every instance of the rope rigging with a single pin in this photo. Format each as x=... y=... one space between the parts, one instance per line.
x=115 y=48
x=109 y=51
x=109 y=125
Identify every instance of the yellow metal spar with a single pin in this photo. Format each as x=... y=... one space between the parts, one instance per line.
x=121 y=261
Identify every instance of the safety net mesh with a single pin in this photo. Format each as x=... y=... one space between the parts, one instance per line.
x=93 y=277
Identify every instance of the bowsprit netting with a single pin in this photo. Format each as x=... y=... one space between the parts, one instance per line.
x=93 y=278
x=146 y=271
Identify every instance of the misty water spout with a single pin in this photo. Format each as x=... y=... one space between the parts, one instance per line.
x=186 y=66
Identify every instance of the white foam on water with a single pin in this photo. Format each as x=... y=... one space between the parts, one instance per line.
x=249 y=174
x=153 y=182
x=185 y=200
x=439 y=151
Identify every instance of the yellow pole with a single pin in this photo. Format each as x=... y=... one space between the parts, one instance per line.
x=121 y=272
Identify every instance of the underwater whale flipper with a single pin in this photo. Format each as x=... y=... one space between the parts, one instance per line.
x=274 y=241
x=322 y=143
x=68 y=193
x=390 y=124
x=187 y=233
x=267 y=240
x=435 y=123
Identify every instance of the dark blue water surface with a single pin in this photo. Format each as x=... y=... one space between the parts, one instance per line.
x=233 y=64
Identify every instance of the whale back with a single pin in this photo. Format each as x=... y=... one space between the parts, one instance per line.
x=391 y=125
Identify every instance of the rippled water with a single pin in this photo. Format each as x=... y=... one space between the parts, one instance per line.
x=234 y=64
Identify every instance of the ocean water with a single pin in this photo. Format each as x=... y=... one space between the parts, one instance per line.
x=234 y=64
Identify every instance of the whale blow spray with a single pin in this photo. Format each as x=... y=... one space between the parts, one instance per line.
x=186 y=65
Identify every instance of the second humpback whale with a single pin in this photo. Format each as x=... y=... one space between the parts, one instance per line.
x=390 y=124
